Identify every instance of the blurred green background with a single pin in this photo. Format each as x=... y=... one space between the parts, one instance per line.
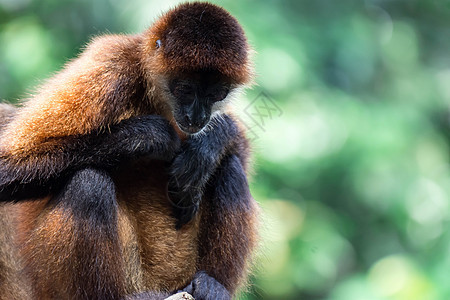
x=352 y=165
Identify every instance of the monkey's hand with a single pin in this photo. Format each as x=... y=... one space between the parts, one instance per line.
x=196 y=162
x=205 y=287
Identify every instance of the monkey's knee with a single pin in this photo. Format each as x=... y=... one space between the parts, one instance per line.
x=90 y=194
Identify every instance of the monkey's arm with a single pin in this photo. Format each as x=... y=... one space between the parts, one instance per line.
x=228 y=232
x=194 y=165
x=47 y=166
x=217 y=163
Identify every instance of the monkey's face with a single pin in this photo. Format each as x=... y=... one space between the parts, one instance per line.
x=194 y=97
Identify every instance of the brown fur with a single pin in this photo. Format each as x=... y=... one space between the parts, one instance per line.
x=12 y=284
x=115 y=78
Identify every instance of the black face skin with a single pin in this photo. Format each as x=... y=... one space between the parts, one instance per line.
x=195 y=94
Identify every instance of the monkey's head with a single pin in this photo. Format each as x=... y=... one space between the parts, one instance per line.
x=199 y=55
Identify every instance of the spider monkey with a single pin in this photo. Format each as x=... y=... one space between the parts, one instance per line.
x=125 y=174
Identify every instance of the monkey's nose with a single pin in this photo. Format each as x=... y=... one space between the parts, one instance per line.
x=188 y=120
x=194 y=122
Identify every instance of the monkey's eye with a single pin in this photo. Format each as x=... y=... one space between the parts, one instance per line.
x=184 y=92
x=158 y=44
x=217 y=93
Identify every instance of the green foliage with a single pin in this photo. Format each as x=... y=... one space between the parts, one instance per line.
x=354 y=176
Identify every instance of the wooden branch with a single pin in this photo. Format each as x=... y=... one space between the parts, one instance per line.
x=181 y=296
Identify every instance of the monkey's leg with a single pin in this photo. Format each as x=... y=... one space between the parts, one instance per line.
x=12 y=284
x=74 y=252
x=228 y=232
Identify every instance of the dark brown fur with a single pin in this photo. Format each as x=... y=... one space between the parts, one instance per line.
x=115 y=78
x=195 y=38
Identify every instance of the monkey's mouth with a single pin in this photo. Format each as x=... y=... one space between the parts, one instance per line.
x=189 y=129
x=190 y=125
